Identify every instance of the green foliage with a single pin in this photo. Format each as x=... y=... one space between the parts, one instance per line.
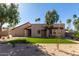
x=40 y=40
x=37 y=19
x=13 y=42
x=74 y=16
x=9 y=14
x=18 y=41
x=76 y=23
x=13 y=15
x=51 y=17
x=68 y=21
x=76 y=34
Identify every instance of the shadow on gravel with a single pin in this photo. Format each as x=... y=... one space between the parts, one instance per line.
x=28 y=50
x=21 y=50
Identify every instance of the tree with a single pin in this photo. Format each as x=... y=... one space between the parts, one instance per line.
x=69 y=23
x=3 y=14
x=13 y=15
x=74 y=16
x=8 y=14
x=37 y=19
x=76 y=22
x=51 y=17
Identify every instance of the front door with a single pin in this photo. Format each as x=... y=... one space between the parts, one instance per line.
x=29 y=32
x=43 y=33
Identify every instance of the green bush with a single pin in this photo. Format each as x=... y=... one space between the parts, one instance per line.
x=76 y=34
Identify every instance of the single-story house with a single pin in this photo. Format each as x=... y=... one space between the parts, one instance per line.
x=36 y=30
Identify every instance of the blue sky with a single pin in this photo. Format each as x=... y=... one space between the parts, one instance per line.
x=29 y=12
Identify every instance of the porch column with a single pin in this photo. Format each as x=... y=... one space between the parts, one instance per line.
x=25 y=33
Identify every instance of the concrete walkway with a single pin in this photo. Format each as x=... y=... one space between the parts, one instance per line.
x=75 y=41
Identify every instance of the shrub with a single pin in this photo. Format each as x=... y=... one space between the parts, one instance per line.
x=76 y=34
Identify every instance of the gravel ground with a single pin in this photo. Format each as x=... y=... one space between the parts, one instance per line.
x=39 y=50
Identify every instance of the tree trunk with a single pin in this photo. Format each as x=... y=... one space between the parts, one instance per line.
x=0 y=31
x=50 y=32
x=57 y=46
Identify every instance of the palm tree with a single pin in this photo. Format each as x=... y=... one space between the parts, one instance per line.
x=37 y=19
x=74 y=16
x=69 y=23
x=76 y=22
x=51 y=17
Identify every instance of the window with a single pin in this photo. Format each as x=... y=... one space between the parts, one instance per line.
x=54 y=32
x=38 y=31
x=61 y=27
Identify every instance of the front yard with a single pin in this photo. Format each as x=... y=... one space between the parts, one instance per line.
x=41 y=40
x=43 y=48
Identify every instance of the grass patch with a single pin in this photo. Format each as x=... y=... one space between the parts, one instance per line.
x=18 y=41
x=48 y=40
x=40 y=40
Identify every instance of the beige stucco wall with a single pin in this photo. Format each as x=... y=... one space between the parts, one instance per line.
x=35 y=28
x=59 y=32
x=19 y=31
x=4 y=32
